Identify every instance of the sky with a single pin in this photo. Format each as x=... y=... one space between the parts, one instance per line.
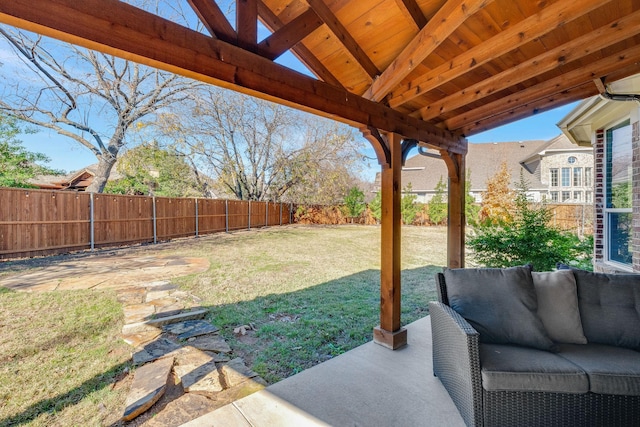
x=69 y=156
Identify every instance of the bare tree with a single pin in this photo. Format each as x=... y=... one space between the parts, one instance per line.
x=257 y=150
x=92 y=98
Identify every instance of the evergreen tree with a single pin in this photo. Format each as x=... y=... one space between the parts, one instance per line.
x=408 y=206
x=17 y=164
x=438 y=204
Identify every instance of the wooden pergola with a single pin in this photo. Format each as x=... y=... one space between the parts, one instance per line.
x=404 y=72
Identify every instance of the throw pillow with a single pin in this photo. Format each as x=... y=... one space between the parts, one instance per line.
x=499 y=303
x=558 y=306
x=609 y=307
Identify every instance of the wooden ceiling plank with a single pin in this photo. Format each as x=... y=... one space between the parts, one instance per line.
x=114 y=27
x=413 y=13
x=578 y=77
x=273 y=23
x=450 y=16
x=289 y=35
x=344 y=36
x=548 y=19
x=577 y=48
x=247 y=23
x=214 y=20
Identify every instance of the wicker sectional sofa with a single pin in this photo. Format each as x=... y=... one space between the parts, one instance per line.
x=519 y=348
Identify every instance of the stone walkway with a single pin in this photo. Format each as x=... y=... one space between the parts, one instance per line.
x=175 y=346
x=111 y=270
x=183 y=367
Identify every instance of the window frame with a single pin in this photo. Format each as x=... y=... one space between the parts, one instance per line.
x=608 y=212
x=565 y=179
x=554 y=177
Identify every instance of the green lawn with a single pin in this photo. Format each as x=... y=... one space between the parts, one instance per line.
x=310 y=292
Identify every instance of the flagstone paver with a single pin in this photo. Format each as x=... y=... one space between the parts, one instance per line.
x=202 y=363
x=190 y=328
x=149 y=384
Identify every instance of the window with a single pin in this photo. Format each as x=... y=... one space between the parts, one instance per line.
x=588 y=177
x=588 y=197
x=566 y=177
x=572 y=160
x=618 y=229
x=566 y=196
x=577 y=196
x=554 y=177
x=554 y=196
x=577 y=177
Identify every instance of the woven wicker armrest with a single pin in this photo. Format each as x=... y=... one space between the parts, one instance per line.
x=456 y=360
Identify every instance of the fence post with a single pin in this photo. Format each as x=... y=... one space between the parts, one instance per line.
x=249 y=214
x=226 y=215
x=266 y=213
x=155 y=224
x=196 y=217
x=92 y=221
x=280 y=213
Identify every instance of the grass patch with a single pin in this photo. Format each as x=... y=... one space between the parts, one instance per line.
x=60 y=353
x=311 y=292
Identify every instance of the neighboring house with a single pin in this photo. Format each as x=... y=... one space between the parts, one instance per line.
x=75 y=181
x=611 y=127
x=554 y=170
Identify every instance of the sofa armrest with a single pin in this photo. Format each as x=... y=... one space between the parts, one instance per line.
x=456 y=360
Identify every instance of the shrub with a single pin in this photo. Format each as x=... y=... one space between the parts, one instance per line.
x=529 y=239
x=354 y=203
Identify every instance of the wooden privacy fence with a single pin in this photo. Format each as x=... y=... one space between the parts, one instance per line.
x=42 y=222
x=573 y=217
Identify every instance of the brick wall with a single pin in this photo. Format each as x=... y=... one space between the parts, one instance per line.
x=635 y=141
x=599 y=196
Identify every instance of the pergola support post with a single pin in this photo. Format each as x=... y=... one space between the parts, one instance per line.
x=456 y=215
x=390 y=333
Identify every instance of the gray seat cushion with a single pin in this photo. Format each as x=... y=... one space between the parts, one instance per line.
x=515 y=368
x=500 y=303
x=611 y=370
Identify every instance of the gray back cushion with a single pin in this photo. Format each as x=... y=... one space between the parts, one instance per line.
x=499 y=303
x=610 y=307
x=558 y=305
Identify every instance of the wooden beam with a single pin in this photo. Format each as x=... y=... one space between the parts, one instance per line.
x=214 y=20
x=456 y=211
x=444 y=22
x=529 y=109
x=273 y=23
x=114 y=27
x=247 y=23
x=390 y=332
x=289 y=35
x=549 y=88
x=344 y=37
x=577 y=48
x=543 y=22
x=413 y=13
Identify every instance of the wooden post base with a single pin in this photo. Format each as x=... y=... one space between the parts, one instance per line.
x=391 y=340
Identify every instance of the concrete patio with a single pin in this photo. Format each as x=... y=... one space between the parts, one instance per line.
x=347 y=391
